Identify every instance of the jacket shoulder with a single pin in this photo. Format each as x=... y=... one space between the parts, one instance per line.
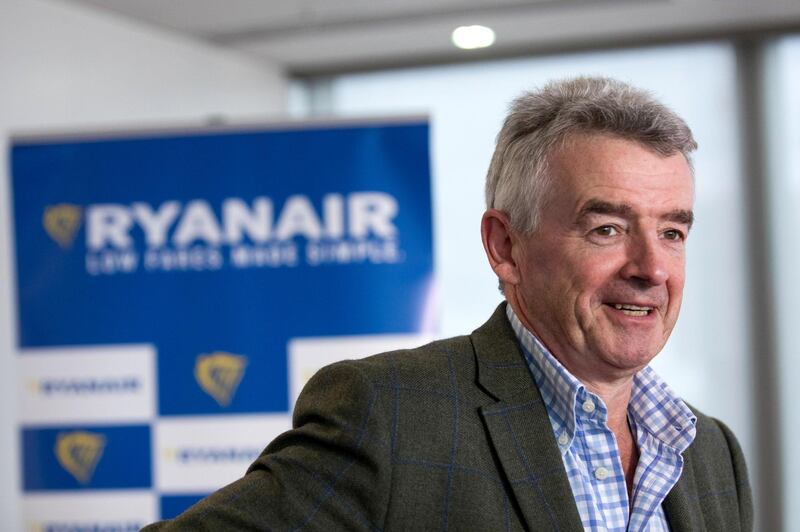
x=429 y=365
x=448 y=361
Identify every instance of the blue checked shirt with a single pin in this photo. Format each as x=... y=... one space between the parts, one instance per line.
x=661 y=423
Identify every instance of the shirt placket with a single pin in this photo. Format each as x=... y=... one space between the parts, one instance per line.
x=602 y=462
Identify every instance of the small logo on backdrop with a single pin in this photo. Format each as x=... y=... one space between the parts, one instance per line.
x=219 y=374
x=86 y=526
x=215 y=455
x=62 y=222
x=85 y=386
x=79 y=452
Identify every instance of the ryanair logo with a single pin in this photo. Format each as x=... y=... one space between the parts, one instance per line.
x=79 y=452
x=61 y=222
x=197 y=235
x=219 y=374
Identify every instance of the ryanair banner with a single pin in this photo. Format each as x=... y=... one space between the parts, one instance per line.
x=177 y=289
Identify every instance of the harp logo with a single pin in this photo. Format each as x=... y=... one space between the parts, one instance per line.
x=219 y=374
x=61 y=222
x=79 y=452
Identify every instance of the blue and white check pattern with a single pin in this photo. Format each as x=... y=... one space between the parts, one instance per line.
x=662 y=424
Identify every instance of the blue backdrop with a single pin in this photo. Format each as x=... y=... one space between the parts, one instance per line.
x=219 y=244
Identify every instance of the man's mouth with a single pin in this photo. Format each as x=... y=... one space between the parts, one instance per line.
x=632 y=310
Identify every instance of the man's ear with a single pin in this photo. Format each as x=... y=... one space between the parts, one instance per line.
x=498 y=242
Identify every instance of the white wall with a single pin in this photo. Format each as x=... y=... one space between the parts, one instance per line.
x=62 y=67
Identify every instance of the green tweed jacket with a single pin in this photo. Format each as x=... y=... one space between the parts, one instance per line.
x=449 y=436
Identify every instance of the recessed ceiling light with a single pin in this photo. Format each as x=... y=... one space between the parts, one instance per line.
x=471 y=37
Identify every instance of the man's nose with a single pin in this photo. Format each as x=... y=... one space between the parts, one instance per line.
x=647 y=261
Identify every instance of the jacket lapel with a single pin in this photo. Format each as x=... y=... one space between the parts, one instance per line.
x=520 y=430
x=682 y=507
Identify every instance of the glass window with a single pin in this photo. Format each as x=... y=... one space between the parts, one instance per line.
x=707 y=359
x=783 y=113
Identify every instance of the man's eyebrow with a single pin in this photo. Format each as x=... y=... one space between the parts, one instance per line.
x=597 y=206
x=681 y=216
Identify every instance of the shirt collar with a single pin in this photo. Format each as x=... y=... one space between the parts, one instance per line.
x=654 y=407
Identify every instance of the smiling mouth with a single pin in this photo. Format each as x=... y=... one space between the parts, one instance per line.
x=633 y=310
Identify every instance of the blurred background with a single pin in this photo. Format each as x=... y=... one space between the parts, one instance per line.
x=729 y=67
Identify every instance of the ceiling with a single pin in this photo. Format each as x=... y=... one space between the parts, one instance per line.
x=314 y=37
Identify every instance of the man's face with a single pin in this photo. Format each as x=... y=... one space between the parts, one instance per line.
x=600 y=281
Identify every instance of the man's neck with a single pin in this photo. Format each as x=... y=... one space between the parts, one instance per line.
x=616 y=395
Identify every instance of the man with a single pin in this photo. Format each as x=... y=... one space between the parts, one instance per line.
x=547 y=417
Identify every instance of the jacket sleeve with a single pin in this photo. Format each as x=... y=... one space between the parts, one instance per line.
x=330 y=472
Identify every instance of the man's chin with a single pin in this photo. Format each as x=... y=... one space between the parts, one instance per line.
x=630 y=357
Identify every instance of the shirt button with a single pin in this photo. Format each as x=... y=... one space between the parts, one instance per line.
x=563 y=439
x=601 y=473
x=588 y=406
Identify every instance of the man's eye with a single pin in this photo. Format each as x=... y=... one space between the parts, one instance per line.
x=606 y=230
x=673 y=234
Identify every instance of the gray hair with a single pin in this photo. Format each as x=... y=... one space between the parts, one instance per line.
x=541 y=121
